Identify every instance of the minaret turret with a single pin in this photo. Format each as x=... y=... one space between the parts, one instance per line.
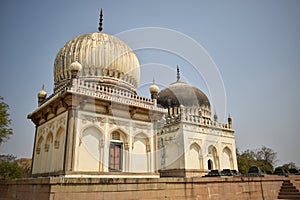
x=154 y=90
x=41 y=96
x=229 y=121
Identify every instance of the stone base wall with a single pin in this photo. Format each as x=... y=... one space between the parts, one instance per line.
x=182 y=173
x=60 y=188
x=296 y=181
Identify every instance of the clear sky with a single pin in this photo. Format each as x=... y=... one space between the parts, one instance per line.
x=255 y=45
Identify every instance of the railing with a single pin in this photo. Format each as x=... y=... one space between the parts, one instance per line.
x=113 y=94
x=185 y=116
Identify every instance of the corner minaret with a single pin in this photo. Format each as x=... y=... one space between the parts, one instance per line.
x=229 y=121
x=154 y=90
x=41 y=96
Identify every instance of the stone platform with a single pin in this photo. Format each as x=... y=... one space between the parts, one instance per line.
x=62 y=188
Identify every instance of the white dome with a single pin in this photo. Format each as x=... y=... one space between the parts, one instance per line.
x=104 y=58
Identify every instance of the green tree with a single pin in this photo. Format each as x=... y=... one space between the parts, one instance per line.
x=9 y=168
x=264 y=158
x=289 y=165
x=245 y=160
x=5 y=122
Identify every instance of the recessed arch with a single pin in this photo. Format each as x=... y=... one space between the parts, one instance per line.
x=90 y=149
x=140 y=147
x=39 y=144
x=213 y=155
x=58 y=138
x=227 y=158
x=49 y=141
x=195 y=156
x=118 y=143
x=123 y=136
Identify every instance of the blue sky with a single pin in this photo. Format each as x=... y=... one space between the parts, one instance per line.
x=255 y=45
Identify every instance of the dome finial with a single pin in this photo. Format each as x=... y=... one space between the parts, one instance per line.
x=178 y=73
x=100 y=28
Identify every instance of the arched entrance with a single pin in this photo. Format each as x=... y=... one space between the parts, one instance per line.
x=210 y=164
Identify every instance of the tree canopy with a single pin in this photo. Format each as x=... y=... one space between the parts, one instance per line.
x=9 y=168
x=5 y=122
x=264 y=158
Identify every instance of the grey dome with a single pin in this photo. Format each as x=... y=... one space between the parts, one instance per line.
x=181 y=93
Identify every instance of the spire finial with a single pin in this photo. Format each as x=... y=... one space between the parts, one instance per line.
x=100 y=28
x=178 y=73
x=43 y=86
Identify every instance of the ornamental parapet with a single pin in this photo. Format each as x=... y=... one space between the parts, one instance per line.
x=113 y=95
x=192 y=116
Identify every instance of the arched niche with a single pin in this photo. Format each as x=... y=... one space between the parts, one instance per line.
x=195 y=157
x=140 y=147
x=89 y=151
x=227 y=158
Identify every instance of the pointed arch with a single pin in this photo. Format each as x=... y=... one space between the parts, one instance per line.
x=49 y=141
x=213 y=155
x=90 y=150
x=118 y=143
x=227 y=158
x=39 y=144
x=59 y=150
x=47 y=160
x=140 y=147
x=38 y=155
x=58 y=137
x=124 y=137
x=195 y=156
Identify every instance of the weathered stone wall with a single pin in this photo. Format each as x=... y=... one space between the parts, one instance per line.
x=296 y=181
x=135 y=188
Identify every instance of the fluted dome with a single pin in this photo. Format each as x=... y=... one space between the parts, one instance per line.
x=181 y=93
x=104 y=58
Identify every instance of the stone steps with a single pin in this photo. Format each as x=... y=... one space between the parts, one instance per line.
x=288 y=191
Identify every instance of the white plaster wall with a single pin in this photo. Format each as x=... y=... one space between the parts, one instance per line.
x=92 y=151
x=206 y=137
x=52 y=160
